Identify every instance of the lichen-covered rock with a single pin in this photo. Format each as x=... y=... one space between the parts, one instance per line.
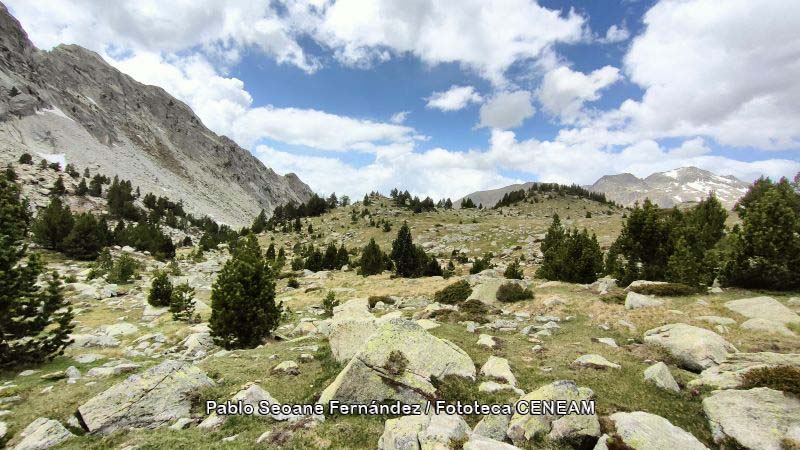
x=486 y=291
x=595 y=362
x=252 y=395
x=43 y=433
x=638 y=301
x=660 y=375
x=729 y=374
x=524 y=428
x=479 y=442
x=767 y=326
x=156 y=397
x=644 y=431
x=369 y=376
x=695 y=348
x=493 y=426
x=498 y=369
x=90 y=340
x=435 y=432
x=757 y=419
x=348 y=335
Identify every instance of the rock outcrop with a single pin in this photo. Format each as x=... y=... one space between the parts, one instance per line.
x=695 y=348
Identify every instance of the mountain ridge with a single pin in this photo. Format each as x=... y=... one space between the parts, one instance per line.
x=69 y=101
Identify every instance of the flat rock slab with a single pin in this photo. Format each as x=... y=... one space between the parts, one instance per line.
x=423 y=432
x=43 y=433
x=695 y=348
x=763 y=308
x=660 y=375
x=156 y=397
x=594 y=362
x=498 y=369
x=638 y=301
x=757 y=419
x=479 y=442
x=767 y=326
x=730 y=373
x=644 y=431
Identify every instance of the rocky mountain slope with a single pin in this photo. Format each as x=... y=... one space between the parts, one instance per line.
x=667 y=189
x=68 y=103
x=490 y=197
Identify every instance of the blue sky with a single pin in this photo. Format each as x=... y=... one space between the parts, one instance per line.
x=444 y=98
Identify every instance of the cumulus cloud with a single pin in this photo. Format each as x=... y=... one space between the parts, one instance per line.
x=564 y=91
x=506 y=110
x=399 y=117
x=453 y=99
x=615 y=34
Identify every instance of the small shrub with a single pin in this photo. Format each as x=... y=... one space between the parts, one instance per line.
x=173 y=269
x=481 y=264
x=124 y=270
x=160 y=290
x=374 y=299
x=396 y=363
x=474 y=310
x=293 y=283
x=780 y=378
x=513 y=271
x=181 y=303
x=454 y=293
x=667 y=289
x=614 y=298
x=26 y=158
x=512 y=292
x=329 y=303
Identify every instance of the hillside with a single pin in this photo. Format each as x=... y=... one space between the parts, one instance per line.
x=69 y=104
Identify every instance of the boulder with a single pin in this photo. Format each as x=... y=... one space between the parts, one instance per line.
x=757 y=419
x=423 y=432
x=493 y=386
x=156 y=397
x=638 y=301
x=90 y=340
x=660 y=375
x=594 y=362
x=763 y=308
x=695 y=348
x=347 y=335
x=118 y=329
x=43 y=433
x=767 y=326
x=487 y=341
x=717 y=320
x=638 y=283
x=370 y=376
x=644 y=431
x=729 y=374
x=287 y=367
x=498 y=369
x=527 y=428
x=252 y=395
x=486 y=291
x=493 y=426
x=479 y=442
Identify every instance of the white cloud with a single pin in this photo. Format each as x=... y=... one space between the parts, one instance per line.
x=453 y=99
x=487 y=37
x=399 y=117
x=507 y=110
x=615 y=34
x=730 y=73
x=564 y=91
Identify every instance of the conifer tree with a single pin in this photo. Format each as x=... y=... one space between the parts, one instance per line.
x=96 y=186
x=270 y=255
x=86 y=238
x=181 y=303
x=342 y=257
x=372 y=259
x=10 y=174
x=53 y=225
x=35 y=321
x=259 y=223
x=243 y=309
x=58 y=187
x=81 y=190
x=404 y=253
x=513 y=271
x=281 y=258
x=329 y=259
x=160 y=290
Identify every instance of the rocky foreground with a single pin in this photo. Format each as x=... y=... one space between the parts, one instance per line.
x=664 y=372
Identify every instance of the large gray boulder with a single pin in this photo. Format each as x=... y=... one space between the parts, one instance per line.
x=695 y=348
x=493 y=426
x=756 y=419
x=370 y=375
x=527 y=428
x=638 y=301
x=148 y=400
x=43 y=433
x=763 y=308
x=644 y=431
x=498 y=369
x=486 y=290
x=251 y=395
x=480 y=442
x=660 y=375
x=423 y=432
x=729 y=374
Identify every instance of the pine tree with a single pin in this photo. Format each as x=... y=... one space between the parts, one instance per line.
x=120 y=200
x=342 y=257
x=96 y=186
x=270 y=255
x=260 y=223
x=513 y=271
x=280 y=260
x=329 y=259
x=53 y=225
x=86 y=238
x=81 y=190
x=160 y=290
x=403 y=253
x=372 y=259
x=58 y=187
x=10 y=174
x=243 y=309
x=684 y=265
x=765 y=251
x=329 y=303
x=181 y=303
x=35 y=321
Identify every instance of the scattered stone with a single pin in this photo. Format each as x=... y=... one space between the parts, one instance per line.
x=43 y=433
x=493 y=426
x=644 y=431
x=90 y=340
x=487 y=341
x=498 y=369
x=595 y=362
x=493 y=386
x=758 y=418
x=306 y=357
x=27 y=373
x=694 y=348
x=287 y=367
x=88 y=358
x=607 y=341
x=427 y=324
x=717 y=320
x=111 y=370
x=660 y=375
x=423 y=432
x=763 y=308
x=73 y=374
x=479 y=442
x=527 y=428
x=148 y=400
x=181 y=423
x=638 y=301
